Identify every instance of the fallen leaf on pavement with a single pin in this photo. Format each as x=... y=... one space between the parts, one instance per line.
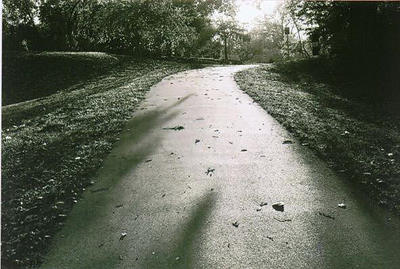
x=99 y=190
x=282 y=220
x=326 y=215
x=123 y=235
x=176 y=128
x=210 y=171
x=279 y=206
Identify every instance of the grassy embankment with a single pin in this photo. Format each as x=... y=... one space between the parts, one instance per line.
x=358 y=140
x=52 y=146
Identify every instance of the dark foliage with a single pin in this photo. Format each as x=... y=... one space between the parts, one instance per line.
x=165 y=27
x=361 y=38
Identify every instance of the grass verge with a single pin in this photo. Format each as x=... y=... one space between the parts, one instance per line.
x=28 y=76
x=355 y=139
x=52 y=147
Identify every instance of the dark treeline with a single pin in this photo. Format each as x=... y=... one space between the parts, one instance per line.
x=360 y=39
x=140 y=28
x=355 y=41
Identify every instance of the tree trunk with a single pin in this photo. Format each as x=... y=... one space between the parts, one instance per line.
x=225 y=49
x=304 y=51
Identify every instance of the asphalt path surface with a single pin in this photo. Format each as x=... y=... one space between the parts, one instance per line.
x=183 y=188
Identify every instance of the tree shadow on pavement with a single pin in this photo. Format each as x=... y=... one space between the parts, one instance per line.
x=138 y=141
x=77 y=247
x=181 y=253
x=362 y=237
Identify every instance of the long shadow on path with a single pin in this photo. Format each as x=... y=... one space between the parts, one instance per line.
x=88 y=226
x=181 y=252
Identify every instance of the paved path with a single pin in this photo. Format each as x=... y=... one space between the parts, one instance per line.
x=176 y=193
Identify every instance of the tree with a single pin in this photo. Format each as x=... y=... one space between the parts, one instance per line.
x=140 y=27
x=231 y=35
x=19 y=23
x=363 y=36
x=267 y=41
x=288 y=18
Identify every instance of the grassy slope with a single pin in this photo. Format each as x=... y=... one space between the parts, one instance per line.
x=52 y=146
x=32 y=75
x=356 y=140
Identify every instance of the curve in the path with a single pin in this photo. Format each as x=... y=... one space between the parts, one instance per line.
x=185 y=183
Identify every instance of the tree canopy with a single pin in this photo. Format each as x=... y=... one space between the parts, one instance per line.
x=141 y=27
x=363 y=36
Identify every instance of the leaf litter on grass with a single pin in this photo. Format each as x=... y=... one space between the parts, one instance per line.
x=352 y=137
x=57 y=144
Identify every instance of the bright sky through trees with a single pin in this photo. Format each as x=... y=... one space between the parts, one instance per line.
x=249 y=11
